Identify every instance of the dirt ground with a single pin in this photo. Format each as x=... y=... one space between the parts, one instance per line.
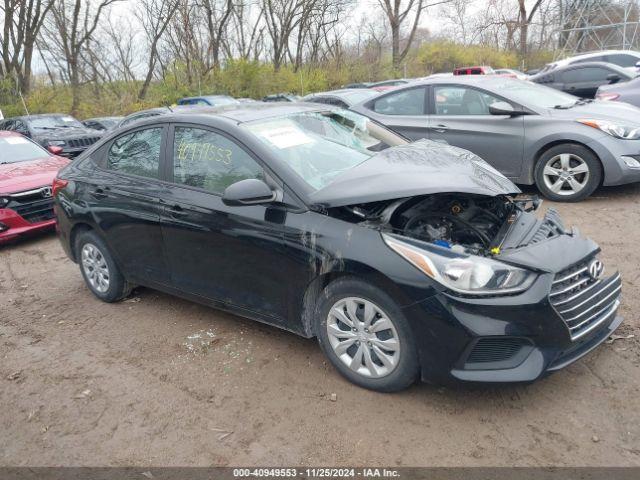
x=158 y=381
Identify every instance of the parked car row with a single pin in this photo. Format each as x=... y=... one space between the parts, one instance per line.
x=385 y=224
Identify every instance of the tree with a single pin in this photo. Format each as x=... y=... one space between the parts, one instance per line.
x=524 y=20
x=69 y=30
x=23 y=20
x=155 y=16
x=398 y=13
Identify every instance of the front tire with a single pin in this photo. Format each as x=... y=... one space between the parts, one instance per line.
x=568 y=173
x=98 y=268
x=366 y=337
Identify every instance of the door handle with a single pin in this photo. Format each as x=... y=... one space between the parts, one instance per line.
x=177 y=211
x=100 y=192
x=440 y=128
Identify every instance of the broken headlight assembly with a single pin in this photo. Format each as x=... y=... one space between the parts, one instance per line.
x=465 y=274
x=623 y=132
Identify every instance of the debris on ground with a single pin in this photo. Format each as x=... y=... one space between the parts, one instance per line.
x=201 y=342
x=133 y=300
x=613 y=338
x=83 y=394
x=595 y=439
x=14 y=375
x=333 y=397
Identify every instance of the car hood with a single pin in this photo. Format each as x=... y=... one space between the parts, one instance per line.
x=617 y=112
x=64 y=133
x=419 y=168
x=20 y=176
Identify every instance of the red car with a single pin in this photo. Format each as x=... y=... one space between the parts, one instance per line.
x=477 y=70
x=26 y=177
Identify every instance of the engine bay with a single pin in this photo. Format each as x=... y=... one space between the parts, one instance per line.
x=472 y=224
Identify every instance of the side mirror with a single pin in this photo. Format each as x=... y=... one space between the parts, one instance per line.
x=55 y=149
x=502 y=108
x=613 y=78
x=250 y=191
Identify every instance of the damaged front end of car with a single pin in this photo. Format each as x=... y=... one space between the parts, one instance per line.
x=530 y=294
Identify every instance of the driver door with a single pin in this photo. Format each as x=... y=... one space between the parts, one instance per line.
x=460 y=117
x=229 y=254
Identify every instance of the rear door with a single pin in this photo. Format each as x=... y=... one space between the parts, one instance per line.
x=123 y=195
x=460 y=117
x=234 y=255
x=403 y=111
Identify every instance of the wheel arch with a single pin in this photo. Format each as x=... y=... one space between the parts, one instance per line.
x=356 y=270
x=554 y=143
x=76 y=230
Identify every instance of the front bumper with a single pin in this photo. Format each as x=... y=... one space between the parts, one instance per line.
x=610 y=151
x=13 y=226
x=459 y=338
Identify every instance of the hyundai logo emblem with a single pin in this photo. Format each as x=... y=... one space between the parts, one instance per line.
x=46 y=192
x=596 y=269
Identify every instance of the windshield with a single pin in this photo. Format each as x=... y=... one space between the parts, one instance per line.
x=534 y=95
x=53 y=122
x=320 y=145
x=19 y=149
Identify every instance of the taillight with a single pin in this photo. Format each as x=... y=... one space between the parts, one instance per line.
x=608 y=96
x=58 y=184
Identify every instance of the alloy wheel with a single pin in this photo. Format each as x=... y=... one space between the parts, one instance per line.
x=566 y=174
x=95 y=267
x=363 y=337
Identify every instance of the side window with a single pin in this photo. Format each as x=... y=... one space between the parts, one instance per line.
x=137 y=153
x=587 y=74
x=451 y=100
x=210 y=161
x=406 y=102
x=623 y=59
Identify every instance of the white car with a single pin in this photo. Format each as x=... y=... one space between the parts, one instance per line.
x=629 y=59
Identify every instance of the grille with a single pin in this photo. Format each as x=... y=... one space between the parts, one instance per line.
x=494 y=350
x=82 y=142
x=582 y=301
x=32 y=206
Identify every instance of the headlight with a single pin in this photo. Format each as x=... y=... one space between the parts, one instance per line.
x=468 y=274
x=3 y=201
x=56 y=143
x=624 y=132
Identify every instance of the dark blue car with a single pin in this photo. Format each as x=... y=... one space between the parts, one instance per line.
x=213 y=100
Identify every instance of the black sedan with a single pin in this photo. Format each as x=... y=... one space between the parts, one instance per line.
x=405 y=260
x=59 y=133
x=583 y=79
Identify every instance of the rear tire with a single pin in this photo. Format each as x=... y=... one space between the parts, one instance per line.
x=98 y=268
x=376 y=350
x=568 y=173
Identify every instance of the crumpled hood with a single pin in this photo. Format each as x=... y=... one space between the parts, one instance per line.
x=20 y=176
x=617 y=112
x=418 y=168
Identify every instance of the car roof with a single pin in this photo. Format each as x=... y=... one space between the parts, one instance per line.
x=607 y=65
x=98 y=119
x=206 y=97
x=479 y=80
x=344 y=92
x=247 y=112
x=9 y=133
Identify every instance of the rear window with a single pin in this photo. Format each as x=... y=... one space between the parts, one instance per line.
x=19 y=149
